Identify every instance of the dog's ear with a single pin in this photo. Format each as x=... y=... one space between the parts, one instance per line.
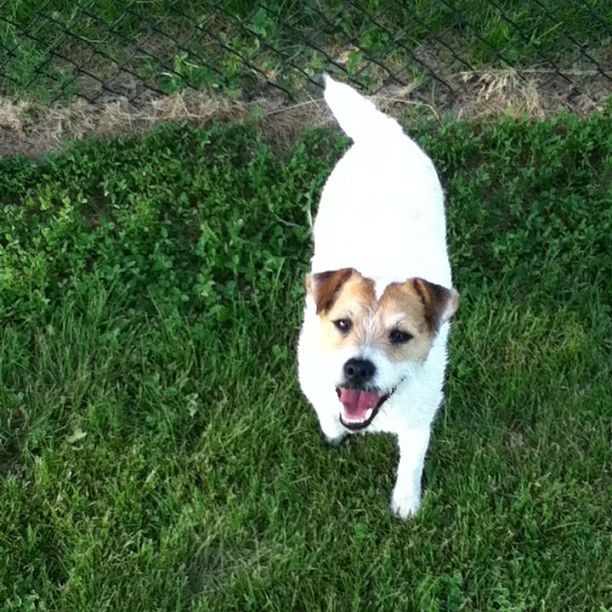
x=440 y=303
x=324 y=287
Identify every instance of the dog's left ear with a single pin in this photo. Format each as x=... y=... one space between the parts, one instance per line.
x=325 y=286
x=440 y=303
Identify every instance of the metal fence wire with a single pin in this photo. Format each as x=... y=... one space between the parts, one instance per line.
x=435 y=50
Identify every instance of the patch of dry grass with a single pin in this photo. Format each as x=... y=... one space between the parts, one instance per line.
x=31 y=128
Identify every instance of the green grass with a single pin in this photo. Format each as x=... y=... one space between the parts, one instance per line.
x=155 y=451
x=231 y=45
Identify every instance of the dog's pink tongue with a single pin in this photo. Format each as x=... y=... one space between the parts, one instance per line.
x=356 y=403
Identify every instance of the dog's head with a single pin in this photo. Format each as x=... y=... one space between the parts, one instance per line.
x=373 y=343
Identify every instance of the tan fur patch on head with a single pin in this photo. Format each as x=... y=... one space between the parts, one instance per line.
x=354 y=303
x=402 y=324
x=400 y=309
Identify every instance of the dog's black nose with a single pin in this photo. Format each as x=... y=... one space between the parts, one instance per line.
x=358 y=371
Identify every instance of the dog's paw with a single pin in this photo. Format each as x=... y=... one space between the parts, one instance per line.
x=405 y=506
x=335 y=440
x=333 y=432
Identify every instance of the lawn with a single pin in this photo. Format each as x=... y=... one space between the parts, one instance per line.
x=155 y=451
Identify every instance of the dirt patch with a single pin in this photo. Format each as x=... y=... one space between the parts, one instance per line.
x=32 y=129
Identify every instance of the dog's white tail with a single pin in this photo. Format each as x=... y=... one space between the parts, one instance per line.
x=358 y=117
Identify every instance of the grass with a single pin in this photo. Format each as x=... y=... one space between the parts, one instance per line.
x=155 y=452
x=52 y=51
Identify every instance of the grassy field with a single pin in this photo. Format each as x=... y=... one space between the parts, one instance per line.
x=155 y=452
x=54 y=50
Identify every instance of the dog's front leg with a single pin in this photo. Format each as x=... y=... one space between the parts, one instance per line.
x=331 y=427
x=406 y=497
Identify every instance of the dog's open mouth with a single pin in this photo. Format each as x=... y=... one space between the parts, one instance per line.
x=359 y=406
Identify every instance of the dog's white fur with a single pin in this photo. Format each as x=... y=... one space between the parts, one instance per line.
x=382 y=214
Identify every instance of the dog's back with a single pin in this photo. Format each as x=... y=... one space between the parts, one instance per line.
x=383 y=202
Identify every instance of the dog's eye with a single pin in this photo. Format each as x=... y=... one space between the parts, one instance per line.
x=397 y=336
x=343 y=325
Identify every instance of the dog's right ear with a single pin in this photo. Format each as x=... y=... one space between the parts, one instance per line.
x=324 y=287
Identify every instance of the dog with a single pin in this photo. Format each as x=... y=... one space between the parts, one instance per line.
x=372 y=350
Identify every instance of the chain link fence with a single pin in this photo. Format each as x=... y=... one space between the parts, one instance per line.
x=442 y=52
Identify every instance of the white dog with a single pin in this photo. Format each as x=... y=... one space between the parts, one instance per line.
x=372 y=349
